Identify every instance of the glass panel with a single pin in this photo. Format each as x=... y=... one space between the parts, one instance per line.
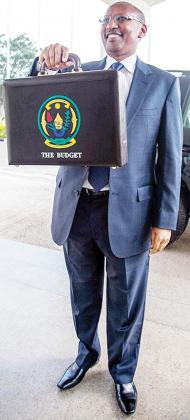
x=186 y=121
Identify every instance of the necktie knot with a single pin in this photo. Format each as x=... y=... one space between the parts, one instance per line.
x=117 y=66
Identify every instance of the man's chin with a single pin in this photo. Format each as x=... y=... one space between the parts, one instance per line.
x=117 y=43
x=113 y=50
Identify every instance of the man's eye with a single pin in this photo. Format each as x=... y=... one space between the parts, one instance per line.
x=122 y=19
x=106 y=20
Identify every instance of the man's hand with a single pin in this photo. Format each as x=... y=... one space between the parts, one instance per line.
x=159 y=239
x=55 y=56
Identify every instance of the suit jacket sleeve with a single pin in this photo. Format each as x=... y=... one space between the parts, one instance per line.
x=168 y=167
x=34 y=69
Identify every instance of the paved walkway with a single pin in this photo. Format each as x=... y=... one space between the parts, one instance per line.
x=38 y=341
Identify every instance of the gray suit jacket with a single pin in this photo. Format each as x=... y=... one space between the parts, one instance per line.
x=145 y=192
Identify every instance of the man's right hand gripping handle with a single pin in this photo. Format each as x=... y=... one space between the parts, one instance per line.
x=55 y=57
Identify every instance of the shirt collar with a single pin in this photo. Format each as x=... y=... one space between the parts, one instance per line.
x=129 y=63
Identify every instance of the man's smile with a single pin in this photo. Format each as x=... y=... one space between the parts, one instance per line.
x=113 y=35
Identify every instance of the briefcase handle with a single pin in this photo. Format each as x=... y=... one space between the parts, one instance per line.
x=76 y=61
x=72 y=57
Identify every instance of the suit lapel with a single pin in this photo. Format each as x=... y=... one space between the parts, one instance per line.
x=141 y=83
x=94 y=65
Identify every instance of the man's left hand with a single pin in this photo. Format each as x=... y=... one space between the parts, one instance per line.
x=159 y=239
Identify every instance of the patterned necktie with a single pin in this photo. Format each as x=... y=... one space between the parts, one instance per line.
x=99 y=176
x=117 y=66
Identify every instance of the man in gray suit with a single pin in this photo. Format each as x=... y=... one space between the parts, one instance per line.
x=118 y=215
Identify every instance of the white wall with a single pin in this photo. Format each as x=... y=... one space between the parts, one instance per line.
x=169 y=47
x=46 y=22
x=73 y=23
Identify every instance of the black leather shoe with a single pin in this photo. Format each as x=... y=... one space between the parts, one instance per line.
x=126 y=398
x=73 y=375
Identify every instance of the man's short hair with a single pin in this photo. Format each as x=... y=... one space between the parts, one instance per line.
x=138 y=13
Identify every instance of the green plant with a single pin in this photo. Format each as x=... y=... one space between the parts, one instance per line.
x=2 y=130
x=21 y=52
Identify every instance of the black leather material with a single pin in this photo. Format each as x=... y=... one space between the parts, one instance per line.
x=73 y=375
x=127 y=401
x=92 y=114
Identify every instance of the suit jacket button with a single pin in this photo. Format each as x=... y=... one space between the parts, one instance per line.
x=76 y=192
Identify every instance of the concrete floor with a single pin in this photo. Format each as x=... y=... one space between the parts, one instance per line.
x=37 y=335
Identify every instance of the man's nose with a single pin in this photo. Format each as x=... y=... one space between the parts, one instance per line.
x=112 y=23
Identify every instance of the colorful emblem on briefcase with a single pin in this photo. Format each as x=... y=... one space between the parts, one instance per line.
x=59 y=121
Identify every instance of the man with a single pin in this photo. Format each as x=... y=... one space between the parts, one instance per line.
x=119 y=214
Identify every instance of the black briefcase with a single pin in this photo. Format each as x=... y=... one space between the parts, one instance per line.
x=70 y=118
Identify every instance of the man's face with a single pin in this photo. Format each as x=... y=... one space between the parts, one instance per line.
x=120 y=39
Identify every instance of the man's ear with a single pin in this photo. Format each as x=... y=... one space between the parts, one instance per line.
x=143 y=31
